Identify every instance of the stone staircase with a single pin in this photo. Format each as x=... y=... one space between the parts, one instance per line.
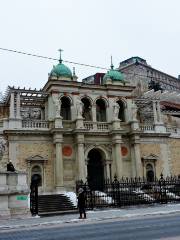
x=55 y=204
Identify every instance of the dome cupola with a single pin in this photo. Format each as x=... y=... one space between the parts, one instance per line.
x=113 y=75
x=61 y=70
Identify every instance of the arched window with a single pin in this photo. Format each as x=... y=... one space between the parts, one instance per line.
x=121 y=115
x=149 y=172
x=36 y=174
x=65 y=108
x=87 y=113
x=100 y=110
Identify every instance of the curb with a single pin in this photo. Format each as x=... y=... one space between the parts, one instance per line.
x=6 y=227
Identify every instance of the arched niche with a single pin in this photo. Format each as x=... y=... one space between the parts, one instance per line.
x=65 y=108
x=87 y=109
x=101 y=110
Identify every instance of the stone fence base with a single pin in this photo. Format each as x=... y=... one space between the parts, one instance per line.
x=13 y=194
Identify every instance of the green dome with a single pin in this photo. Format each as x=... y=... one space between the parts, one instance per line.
x=113 y=75
x=61 y=70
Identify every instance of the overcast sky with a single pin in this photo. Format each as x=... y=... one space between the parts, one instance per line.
x=89 y=31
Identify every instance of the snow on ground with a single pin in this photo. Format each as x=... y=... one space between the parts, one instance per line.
x=72 y=197
x=102 y=194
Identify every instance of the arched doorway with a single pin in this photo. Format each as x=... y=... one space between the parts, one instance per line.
x=36 y=175
x=95 y=170
x=149 y=172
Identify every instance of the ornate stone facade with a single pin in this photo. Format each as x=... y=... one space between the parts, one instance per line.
x=72 y=130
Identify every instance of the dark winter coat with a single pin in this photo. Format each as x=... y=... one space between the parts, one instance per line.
x=81 y=200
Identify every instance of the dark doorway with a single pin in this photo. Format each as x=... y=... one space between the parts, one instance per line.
x=95 y=170
x=149 y=173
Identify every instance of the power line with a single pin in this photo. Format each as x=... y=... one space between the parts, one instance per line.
x=50 y=58
x=82 y=64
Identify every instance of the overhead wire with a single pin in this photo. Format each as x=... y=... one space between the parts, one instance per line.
x=51 y=58
x=163 y=80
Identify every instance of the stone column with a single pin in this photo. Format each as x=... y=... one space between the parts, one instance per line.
x=18 y=106
x=81 y=157
x=12 y=106
x=108 y=175
x=117 y=155
x=58 y=163
x=94 y=117
x=94 y=113
x=154 y=112
x=136 y=157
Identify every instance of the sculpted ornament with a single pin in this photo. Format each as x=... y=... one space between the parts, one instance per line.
x=134 y=112
x=116 y=109
x=57 y=102
x=79 y=107
x=25 y=113
x=35 y=113
x=2 y=147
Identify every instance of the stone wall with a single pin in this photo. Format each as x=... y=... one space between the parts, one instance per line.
x=147 y=149
x=174 y=148
x=36 y=148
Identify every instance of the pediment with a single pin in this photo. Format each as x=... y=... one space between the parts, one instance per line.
x=150 y=157
x=36 y=158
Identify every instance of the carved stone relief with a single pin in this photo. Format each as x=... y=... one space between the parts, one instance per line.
x=31 y=113
x=146 y=113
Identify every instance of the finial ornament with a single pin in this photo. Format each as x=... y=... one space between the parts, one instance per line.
x=112 y=66
x=74 y=71
x=60 y=59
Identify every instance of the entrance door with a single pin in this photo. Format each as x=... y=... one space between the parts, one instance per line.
x=95 y=170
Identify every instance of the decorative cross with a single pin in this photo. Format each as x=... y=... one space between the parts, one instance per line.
x=112 y=66
x=60 y=59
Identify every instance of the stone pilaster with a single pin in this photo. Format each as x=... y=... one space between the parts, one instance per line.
x=58 y=163
x=136 y=157
x=58 y=122
x=12 y=106
x=116 y=124
x=81 y=157
x=108 y=169
x=155 y=112
x=117 y=155
x=18 y=106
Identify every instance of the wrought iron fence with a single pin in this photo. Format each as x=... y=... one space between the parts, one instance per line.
x=130 y=191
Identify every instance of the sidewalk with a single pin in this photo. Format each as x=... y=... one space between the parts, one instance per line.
x=96 y=215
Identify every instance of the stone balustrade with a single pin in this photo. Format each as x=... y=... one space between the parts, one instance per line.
x=96 y=126
x=147 y=127
x=35 y=124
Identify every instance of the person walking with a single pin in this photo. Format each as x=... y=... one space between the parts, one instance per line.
x=81 y=203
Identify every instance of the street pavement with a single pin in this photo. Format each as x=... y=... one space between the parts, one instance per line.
x=92 y=216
